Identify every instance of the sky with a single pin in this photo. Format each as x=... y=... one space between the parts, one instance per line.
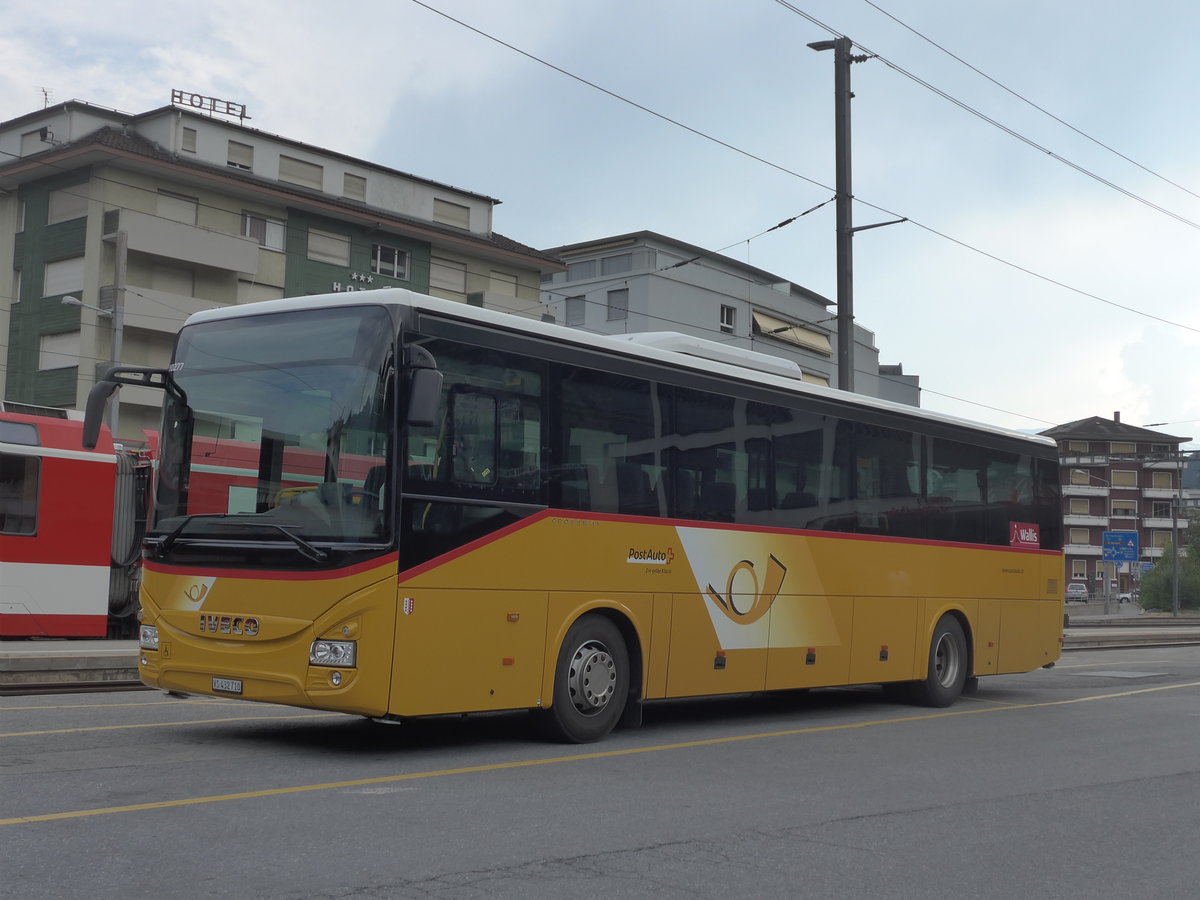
x=1044 y=153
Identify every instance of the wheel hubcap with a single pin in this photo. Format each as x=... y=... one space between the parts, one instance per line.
x=593 y=678
x=947 y=661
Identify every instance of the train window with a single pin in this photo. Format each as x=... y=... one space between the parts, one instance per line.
x=22 y=433
x=19 y=477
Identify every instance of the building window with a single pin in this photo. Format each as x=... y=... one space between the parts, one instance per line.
x=63 y=276
x=1080 y=506
x=58 y=351
x=1162 y=509
x=576 y=309
x=324 y=246
x=1124 y=478
x=66 y=204
x=616 y=265
x=240 y=156
x=448 y=276
x=578 y=271
x=188 y=141
x=502 y=283
x=177 y=207
x=268 y=232
x=1079 y=570
x=1079 y=536
x=1122 y=447
x=1077 y=446
x=305 y=174
x=454 y=214
x=19 y=477
x=1160 y=539
x=1162 y=480
x=728 y=317
x=354 y=187
x=618 y=304
x=1124 y=509
x=389 y=261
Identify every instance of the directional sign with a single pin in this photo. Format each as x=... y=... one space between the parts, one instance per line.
x=1119 y=546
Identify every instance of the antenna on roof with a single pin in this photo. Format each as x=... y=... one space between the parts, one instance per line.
x=46 y=92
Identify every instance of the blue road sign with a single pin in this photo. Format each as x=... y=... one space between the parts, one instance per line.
x=1119 y=546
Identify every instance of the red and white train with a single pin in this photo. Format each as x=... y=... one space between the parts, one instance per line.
x=71 y=525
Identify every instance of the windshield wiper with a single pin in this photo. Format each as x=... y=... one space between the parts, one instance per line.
x=311 y=551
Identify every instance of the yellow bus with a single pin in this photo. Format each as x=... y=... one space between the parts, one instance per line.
x=390 y=505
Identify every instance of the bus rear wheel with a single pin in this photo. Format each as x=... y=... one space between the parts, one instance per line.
x=591 y=682
x=947 y=671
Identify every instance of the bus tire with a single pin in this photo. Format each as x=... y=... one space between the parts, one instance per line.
x=591 y=682
x=947 y=671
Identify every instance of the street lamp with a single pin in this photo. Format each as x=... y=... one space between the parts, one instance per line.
x=114 y=353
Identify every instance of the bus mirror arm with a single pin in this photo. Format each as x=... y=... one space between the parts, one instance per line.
x=102 y=390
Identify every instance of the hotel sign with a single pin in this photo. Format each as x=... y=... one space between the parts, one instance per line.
x=208 y=104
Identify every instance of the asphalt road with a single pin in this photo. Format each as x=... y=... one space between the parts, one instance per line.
x=1077 y=781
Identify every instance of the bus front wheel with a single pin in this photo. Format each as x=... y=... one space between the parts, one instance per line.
x=947 y=665
x=591 y=682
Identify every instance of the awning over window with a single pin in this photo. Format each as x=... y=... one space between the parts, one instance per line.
x=769 y=326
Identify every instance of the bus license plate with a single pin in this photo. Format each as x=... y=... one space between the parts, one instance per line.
x=227 y=685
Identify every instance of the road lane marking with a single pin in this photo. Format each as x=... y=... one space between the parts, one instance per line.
x=556 y=760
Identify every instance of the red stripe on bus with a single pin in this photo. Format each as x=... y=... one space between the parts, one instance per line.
x=53 y=625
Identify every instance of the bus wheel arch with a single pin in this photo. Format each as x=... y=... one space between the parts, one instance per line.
x=597 y=674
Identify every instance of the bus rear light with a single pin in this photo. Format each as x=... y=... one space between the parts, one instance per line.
x=148 y=637
x=343 y=654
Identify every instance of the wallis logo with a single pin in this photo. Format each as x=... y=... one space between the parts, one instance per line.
x=743 y=601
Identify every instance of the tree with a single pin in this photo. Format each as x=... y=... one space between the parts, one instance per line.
x=1156 y=584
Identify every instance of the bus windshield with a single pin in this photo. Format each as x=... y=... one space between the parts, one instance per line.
x=279 y=433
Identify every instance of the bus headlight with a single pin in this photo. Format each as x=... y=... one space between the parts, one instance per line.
x=333 y=653
x=148 y=637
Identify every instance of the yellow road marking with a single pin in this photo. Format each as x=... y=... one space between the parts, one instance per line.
x=555 y=760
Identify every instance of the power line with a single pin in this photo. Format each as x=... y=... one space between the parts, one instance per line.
x=993 y=122
x=1029 y=102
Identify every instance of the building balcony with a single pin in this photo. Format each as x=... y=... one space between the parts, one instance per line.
x=1085 y=490
x=1160 y=493
x=153 y=310
x=180 y=241
x=1082 y=550
x=1164 y=522
x=1153 y=552
x=1085 y=521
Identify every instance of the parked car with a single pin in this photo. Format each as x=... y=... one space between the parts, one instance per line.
x=1077 y=590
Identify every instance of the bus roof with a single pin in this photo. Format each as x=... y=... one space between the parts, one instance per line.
x=680 y=351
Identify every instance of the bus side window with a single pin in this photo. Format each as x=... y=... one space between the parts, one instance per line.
x=474 y=445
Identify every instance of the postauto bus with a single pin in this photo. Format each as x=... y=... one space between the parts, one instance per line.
x=443 y=509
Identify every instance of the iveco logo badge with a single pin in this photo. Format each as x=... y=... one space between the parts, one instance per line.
x=244 y=625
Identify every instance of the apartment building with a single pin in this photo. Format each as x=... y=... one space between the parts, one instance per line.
x=138 y=220
x=1117 y=478
x=645 y=282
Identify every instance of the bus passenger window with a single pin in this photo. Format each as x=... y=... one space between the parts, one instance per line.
x=474 y=447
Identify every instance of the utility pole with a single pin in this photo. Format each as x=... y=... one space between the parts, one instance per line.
x=842 y=95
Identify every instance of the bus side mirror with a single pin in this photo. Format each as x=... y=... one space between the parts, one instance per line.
x=424 y=396
x=96 y=401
